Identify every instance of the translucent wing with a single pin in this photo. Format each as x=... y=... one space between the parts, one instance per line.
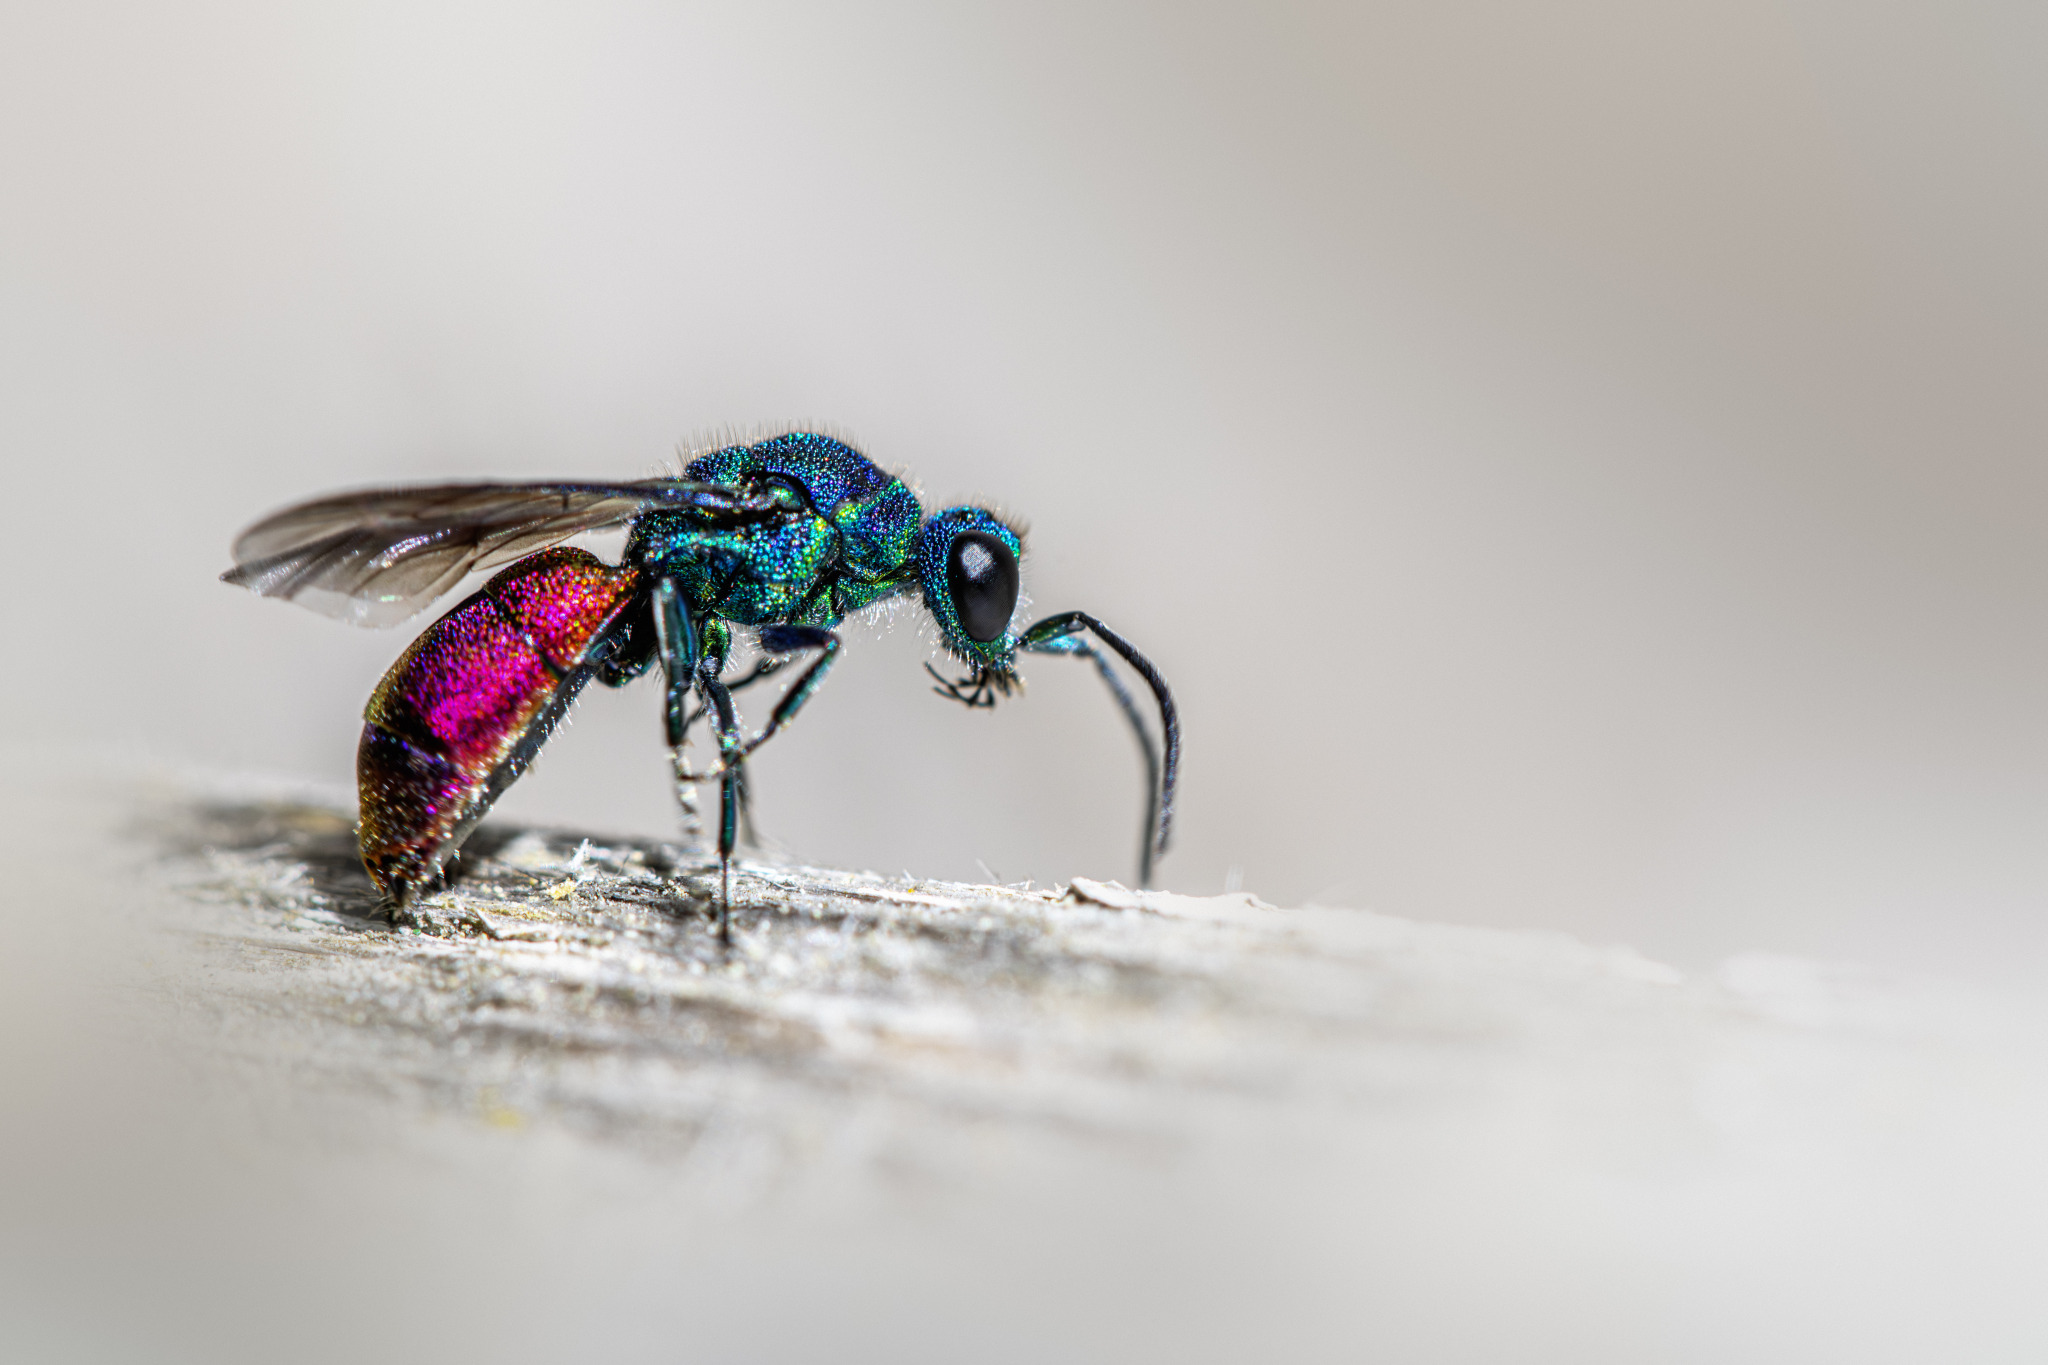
x=376 y=556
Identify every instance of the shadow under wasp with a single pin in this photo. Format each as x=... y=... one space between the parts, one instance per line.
x=787 y=536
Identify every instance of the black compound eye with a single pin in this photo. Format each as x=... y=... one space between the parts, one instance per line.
x=981 y=576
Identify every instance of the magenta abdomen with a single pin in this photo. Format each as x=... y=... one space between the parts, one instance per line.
x=463 y=710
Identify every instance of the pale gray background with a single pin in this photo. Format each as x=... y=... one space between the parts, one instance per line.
x=1580 y=464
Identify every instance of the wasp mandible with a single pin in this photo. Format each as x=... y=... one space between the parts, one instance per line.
x=787 y=536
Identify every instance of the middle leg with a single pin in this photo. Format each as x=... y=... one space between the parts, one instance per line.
x=780 y=640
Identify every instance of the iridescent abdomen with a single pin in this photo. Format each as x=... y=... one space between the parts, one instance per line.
x=463 y=710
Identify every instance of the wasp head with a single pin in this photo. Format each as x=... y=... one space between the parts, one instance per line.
x=967 y=563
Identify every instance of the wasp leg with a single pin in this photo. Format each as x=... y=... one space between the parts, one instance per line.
x=1081 y=649
x=789 y=640
x=1059 y=635
x=750 y=835
x=687 y=779
x=786 y=640
x=729 y=791
x=677 y=643
x=979 y=689
x=634 y=644
x=749 y=832
x=766 y=668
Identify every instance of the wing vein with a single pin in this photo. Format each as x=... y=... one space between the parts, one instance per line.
x=377 y=556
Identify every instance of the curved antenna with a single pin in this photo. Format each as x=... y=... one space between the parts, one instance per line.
x=1056 y=635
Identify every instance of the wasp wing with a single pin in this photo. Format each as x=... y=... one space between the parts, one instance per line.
x=376 y=556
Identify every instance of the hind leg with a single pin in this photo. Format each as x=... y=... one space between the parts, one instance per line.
x=730 y=791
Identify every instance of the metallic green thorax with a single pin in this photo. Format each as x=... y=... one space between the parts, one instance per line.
x=851 y=548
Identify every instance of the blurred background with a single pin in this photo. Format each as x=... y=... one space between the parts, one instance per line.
x=1580 y=465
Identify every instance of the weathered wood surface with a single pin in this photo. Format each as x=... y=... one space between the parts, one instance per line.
x=552 y=1118
x=579 y=980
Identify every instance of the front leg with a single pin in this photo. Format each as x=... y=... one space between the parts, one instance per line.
x=1079 y=648
x=1060 y=635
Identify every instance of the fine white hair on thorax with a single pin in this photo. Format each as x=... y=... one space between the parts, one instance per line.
x=883 y=617
x=706 y=440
